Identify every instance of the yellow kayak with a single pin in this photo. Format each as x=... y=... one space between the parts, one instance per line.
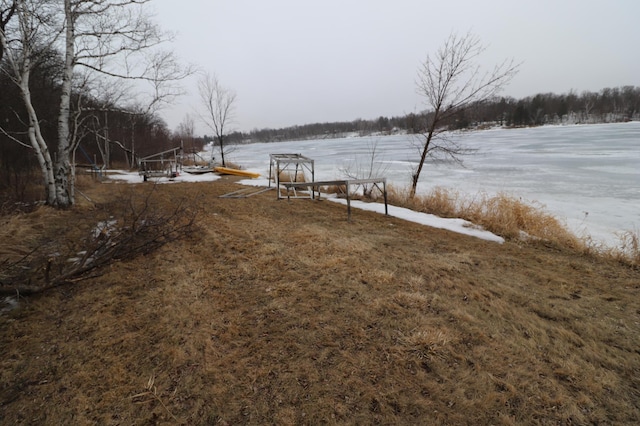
x=236 y=172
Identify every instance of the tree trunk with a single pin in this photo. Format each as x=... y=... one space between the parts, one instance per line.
x=106 y=156
x=37 y=142
x=431 y=128
x=132 y=164
x=423 y=156
x=64 y=178
x=221 y=150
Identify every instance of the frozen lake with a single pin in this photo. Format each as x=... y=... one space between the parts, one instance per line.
x=588 y=176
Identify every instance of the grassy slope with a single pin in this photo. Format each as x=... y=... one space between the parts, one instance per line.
x=283 y=312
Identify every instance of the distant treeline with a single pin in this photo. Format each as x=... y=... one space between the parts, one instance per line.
x=609 y=105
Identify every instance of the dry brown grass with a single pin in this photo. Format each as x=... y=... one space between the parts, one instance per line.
x=233 y=165
x=517 y=220
x=628 y=250
x=41 y=250
x=334 y=189
x=285 y=313
x=286 y=176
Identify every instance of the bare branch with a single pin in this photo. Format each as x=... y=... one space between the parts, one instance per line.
x=219 y=104
x=6 y=13
x=106 y=39
x=451 y=81
x=139 y=229
x=14 y=139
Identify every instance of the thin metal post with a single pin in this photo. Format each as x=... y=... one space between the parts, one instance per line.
x=278 y=178
x=348 y=204
x=384 y=186
x=313 y=177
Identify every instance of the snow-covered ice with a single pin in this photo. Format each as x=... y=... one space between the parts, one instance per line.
x=588 y=176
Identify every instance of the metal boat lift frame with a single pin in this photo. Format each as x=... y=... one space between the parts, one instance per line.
x=347 y=183
x=296 y=163
x=163 y=164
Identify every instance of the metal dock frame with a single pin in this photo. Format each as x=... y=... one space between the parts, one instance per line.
x=163 y=164
x=297 y=163
x=313 y=186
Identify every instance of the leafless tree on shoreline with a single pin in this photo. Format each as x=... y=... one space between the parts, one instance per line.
x=219 y=104
x=451 y=81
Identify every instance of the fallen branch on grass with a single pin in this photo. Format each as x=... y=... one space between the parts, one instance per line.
x=150 y=395
x=141 y=228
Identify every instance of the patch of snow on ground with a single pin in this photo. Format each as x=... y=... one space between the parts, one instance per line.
x=134 y=177
x=8 y=304
x=104 y=228
x=455 y=225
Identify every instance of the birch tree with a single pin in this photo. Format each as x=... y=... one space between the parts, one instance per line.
x=218 y=103
x=451 y=81
x=109 y=38
x=29 y=29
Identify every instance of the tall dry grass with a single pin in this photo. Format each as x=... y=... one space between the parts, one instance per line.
x=515 y=219
x=501 y=214
x=288 y=176
x=628 y=249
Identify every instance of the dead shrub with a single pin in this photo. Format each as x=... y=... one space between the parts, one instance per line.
x=629 y=248
x=123 y=229
x=20 y=191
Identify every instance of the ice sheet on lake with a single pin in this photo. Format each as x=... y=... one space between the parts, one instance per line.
x=586 y=175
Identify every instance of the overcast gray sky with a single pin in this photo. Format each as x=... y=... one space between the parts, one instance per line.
x=305 y=61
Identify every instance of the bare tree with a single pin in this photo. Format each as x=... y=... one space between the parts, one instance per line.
x=7 y=9
x=186 y=133
x=218 y=103
x=111 y=38
x=23 y=38
x=186 y=129
x=451 y=81
x=368 y=166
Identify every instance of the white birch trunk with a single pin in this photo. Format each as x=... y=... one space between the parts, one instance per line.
x=63 y=175
x=37 y=142
x=20 y=62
